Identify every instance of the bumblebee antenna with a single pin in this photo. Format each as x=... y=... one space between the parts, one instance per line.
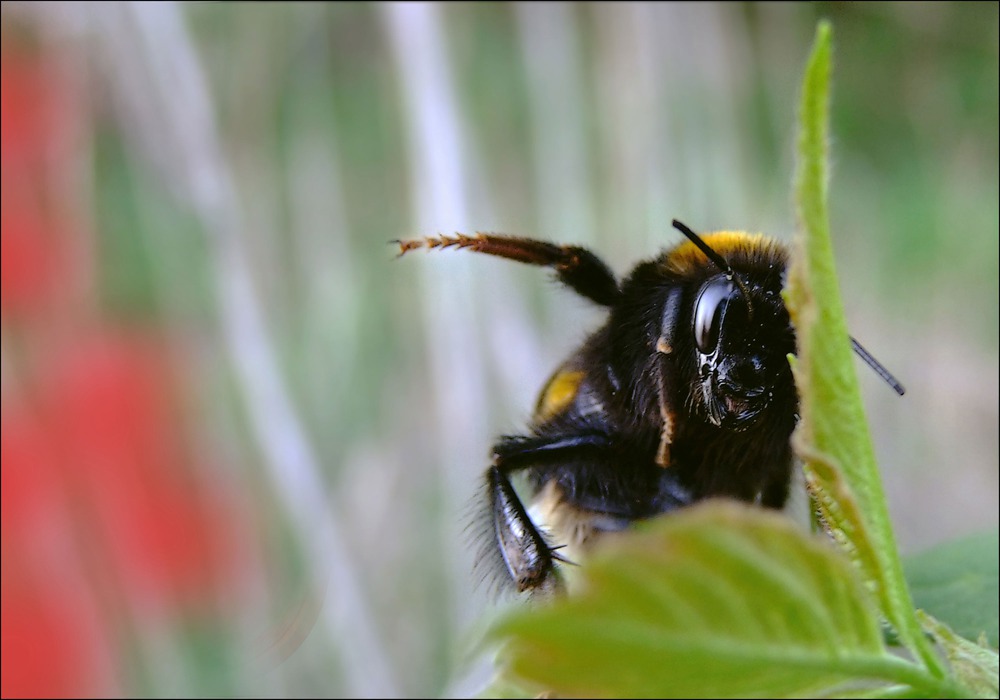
x=877 y=366
x=721 y=263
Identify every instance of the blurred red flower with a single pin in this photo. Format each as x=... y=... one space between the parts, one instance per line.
x=108 y=519
x=52 y=641
x=111 y=412
x=29 y=258
x=29 y=95
x=33 y=119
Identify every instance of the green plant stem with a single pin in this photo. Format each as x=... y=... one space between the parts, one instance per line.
x=857 y=460
x=894 y=669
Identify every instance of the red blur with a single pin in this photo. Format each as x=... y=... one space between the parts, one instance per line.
x=109 y=518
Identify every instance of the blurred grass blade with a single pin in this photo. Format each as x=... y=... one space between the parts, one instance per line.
x=719 y=600
x=832 y=437
x=173 y=114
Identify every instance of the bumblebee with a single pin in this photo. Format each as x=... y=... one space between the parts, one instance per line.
x=684 y=393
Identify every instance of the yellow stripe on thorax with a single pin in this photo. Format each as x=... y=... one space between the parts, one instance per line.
x=687 y=257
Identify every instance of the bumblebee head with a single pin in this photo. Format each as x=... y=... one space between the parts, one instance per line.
x=741 y=330
x=741 y=335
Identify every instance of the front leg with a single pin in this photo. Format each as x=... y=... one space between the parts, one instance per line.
x=529 y=558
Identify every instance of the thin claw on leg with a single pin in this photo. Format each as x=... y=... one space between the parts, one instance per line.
x=459 y=240
x=406 y=246
x=559 y=557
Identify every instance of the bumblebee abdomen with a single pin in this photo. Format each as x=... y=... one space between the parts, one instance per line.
x=578 y=393
x=558 y=394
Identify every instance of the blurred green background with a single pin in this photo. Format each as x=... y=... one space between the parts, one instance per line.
x=353 y=397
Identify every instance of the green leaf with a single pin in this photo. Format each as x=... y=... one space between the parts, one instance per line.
x=832 y=437
x=975 y=665
x=500 y=689
x=957 y=583
x=720 y=599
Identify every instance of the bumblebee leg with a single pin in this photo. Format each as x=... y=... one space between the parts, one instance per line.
x=775 y=494
x=528 y=557
x=513 y=453
x=577 y=268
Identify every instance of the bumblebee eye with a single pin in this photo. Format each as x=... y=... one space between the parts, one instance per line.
x=708 y=310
